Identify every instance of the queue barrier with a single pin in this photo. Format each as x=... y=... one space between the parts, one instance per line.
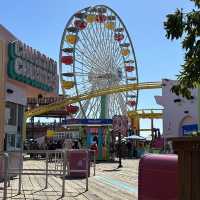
x=78 y=162
x=61 y=157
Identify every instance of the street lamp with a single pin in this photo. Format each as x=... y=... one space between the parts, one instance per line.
x=119 y=149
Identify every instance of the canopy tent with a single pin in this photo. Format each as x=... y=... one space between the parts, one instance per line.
x=134 y=137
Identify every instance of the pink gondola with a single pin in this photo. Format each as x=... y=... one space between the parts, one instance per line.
x=72 y=109
x=101 y=18
x=119 y=37
x=68 y=60
x=131 y=103
x=129 y=68
x=80 y=24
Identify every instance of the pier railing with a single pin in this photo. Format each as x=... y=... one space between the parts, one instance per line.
x=61 y=167
x=4 y=171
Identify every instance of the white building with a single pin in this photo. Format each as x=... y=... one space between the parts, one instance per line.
x=180 y=116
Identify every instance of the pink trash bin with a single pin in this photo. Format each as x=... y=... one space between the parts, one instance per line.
x=158 y=177
x=77 y=160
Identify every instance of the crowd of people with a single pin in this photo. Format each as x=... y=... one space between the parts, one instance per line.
x=50 y=144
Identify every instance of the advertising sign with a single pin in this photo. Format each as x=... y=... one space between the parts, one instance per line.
x=189 y=129
x=44 y=100
x=88 y=121
x=120 y=124
x=29 y=66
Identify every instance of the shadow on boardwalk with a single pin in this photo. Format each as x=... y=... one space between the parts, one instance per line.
x=103 y=186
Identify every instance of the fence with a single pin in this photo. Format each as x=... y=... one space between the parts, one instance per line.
x=4 y=167
x=61 y=167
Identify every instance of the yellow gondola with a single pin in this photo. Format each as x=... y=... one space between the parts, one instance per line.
x=90 y=18
x=110 y=25
x=71 y=39
x=68 y=84
x=125 y=52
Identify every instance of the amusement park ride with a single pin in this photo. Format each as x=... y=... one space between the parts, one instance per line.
x=98 y=68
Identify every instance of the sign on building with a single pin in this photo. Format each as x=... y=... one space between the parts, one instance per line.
x=29 y=66
x=120 y=124
x=32 y=101
x=88 y=121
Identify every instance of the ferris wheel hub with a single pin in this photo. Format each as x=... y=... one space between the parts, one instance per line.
x=114 y=77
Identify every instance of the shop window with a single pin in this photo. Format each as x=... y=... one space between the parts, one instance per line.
x=18 y=141
x=11 y=113
x=11 y=141
x=20 y=118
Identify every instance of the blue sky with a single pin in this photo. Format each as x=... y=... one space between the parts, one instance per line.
x=40 y=24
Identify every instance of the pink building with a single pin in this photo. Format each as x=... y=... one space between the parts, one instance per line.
x=24 y=72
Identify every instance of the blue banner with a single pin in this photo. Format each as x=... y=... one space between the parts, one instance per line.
x=88 y=121
x=188 y=129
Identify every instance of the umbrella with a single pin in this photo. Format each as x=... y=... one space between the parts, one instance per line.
x=134 y=137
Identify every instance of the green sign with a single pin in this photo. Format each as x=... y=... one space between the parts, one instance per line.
x=29 y=66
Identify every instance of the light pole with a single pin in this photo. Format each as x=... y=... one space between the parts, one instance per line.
x=119 y=149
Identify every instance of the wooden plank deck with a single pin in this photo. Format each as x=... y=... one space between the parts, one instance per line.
x=109 y=183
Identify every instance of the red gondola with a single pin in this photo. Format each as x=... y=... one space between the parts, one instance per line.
x=129 y=68
x=80 y=24
x=101 y=18
x=68 y=60
x=131 y=103
x=119 y=37
x=72 y=109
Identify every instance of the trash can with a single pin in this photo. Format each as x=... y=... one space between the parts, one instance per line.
x=158 y=177
x=77 y=160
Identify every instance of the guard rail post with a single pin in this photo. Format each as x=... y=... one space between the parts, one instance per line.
x=20 y=173
x=87 y=168
x=5 y=175
x=94 y=167
x=47 y=160
x=64 y=172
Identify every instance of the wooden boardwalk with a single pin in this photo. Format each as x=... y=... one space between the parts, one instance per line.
x=108 y=184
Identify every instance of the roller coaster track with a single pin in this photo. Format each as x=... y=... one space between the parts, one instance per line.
x=70 y=100
x=147 y=114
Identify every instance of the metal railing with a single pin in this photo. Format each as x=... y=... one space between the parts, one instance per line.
x=61 y=168
x=93 y=158
x=4 y=160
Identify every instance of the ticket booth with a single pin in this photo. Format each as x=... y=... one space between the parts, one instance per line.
x=94 y=130
x=99 y=135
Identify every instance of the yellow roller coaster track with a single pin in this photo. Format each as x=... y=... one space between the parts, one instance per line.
x=101 y=92
x=147 y=114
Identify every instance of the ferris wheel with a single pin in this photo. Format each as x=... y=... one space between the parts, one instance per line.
x=96 y=53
